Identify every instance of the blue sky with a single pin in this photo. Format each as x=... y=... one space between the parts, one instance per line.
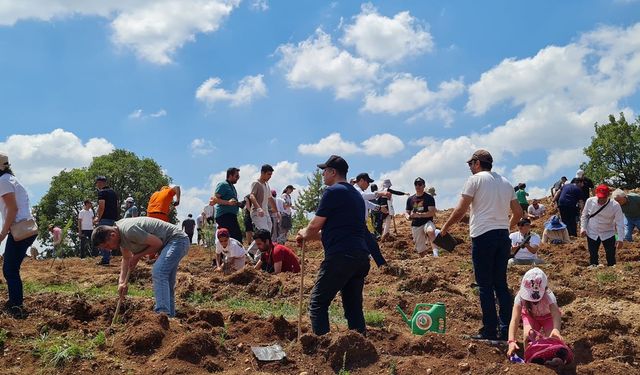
x=401 y=89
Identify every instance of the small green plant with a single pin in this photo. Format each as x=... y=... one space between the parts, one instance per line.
x=199 y=298
x=628 y=267
x=59 y=350
x=378 y=292
x=4 y=334
x=100 y=340
x=393 y=368
x=606 y=277
x=374 y=318
x=343 y=370
x=223 y=336
x=466 y=266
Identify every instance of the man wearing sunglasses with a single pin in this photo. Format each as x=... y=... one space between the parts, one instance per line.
x=491 y=198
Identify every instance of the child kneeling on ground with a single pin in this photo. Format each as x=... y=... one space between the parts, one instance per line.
x=536 y=304
x=230 y=255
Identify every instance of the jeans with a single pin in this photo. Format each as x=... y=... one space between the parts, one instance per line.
x=106 y=254
x=164 y=275
x=14 y=253
x=230 y=221
x=569 y=215
x=490 y=254
x=609 y=249
x=374 y=249
x=85 y=243
x=344 y=273
x=631 y=223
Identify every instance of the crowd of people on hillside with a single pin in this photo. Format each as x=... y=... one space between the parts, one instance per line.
x=340 y=222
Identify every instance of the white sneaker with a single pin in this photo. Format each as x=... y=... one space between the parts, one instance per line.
x=592 y=267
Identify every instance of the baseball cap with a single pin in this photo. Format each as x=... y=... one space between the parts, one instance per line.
x=101 y=178
x=129 y=200
x=364 y=176
x=4 y=161
x=602 y=191
x=481 y=155
x=533 y=286
x=290 y=187
x=336 y=162
x=418 y=181
x=222 y=232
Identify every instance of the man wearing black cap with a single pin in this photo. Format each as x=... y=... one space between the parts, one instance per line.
x=421 y=210
x=107 y=212
x=491 y=198
x=362 y=181
x=346 y=257
x=285 y=215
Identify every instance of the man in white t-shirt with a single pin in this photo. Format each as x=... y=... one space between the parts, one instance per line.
x=491 y=198
x=261 y=199
x=85 y=228
x=524 y=245
x=230 y=255
x=535 y=210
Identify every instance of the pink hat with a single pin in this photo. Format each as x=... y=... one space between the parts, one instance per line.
x=533 y=286
x=222 y=232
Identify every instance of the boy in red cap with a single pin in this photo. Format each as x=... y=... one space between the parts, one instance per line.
x=601 y=220
x=230 y=254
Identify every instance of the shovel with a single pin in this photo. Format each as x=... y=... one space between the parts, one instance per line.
x=301 y=294
x=115 y=314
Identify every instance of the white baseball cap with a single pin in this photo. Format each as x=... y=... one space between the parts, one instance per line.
x=533 y=286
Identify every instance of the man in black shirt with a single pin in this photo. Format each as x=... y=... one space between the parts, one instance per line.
x=107 y=211
x=421 y=210
x=188 y=226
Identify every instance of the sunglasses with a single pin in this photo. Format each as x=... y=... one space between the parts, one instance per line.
x=471 y=161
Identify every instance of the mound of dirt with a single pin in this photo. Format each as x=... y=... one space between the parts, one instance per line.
x=81 y=310
x=282 y=328
x=243 y=276
x=213 y=317
x=193 y=347
x=145 y=333
x=420 y=284
x=351 y=350
x=59 y=323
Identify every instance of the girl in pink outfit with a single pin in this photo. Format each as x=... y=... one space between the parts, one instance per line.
x=537 y=306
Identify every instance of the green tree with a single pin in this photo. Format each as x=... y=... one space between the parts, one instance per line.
x=128 y=175
x=614 y=155
x=308 y=200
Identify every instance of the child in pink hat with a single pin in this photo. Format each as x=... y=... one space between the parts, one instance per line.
x=538 y=308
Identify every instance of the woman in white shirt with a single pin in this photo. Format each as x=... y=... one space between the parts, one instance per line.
x=14 y=205
x=601 y=220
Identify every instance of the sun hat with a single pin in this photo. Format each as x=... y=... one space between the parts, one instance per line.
x=386 y=183
x=432 y=191
x=554 y=223
x=602 y=191
x=533 y=285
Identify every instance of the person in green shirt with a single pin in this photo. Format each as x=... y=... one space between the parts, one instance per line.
x=630 y=204
x=141 y=236
x=227 y=204
x=522 y=195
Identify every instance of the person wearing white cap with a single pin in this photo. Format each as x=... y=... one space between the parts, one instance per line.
x=16 y=211
x=382 y=201
x=130 y=208
x=536 y=304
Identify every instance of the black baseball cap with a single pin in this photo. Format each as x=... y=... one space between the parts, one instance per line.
x=336 y=162
x=364 y=176
x=418 y=181
x=101 y=178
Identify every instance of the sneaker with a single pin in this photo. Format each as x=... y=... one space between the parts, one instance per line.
x=482 y=335
x=592 y=266
x=17 y=312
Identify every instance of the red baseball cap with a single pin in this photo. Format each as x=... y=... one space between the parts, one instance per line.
x=602 y=191
x=222 y=232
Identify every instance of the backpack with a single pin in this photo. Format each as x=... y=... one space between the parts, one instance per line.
x=544 y=350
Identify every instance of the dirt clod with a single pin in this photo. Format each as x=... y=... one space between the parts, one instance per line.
x=193 y=347
x=146 y=333
x=351 y=350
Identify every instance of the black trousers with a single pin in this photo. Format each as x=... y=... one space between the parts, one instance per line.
x=342 y=273
x=609 y=249
x=569 y=214
x=230 y=221
x=190 y=235
x=85 y=244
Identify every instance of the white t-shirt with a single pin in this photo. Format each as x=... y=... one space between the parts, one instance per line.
x=280 y=205
x=234 y=249
x=209 y=210
x=287 y=199
x=492 y=195
x=540 y=308
x=517 y=238
x=536 y=212
x=86 y=219
x=9 y=184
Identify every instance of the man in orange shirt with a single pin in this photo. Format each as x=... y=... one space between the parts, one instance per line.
x=160 y=202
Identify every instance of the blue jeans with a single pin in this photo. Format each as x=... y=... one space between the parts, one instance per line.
x=631 y=223
x=164 y=275
x=106 y=254
x=490 y=254
x=14 y=253
x=342 y=273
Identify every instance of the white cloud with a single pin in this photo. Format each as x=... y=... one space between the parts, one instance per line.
x=201 y=147
x=35 y=158
x=139 y=114
x=383 y=145
x=249 y=88
x=385 y=39
x=317 y=63
x=153 y=29
x=331 y=144
x=380 y=144
x=259 y=5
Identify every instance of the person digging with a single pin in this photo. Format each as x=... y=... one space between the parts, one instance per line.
x=141 y=236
